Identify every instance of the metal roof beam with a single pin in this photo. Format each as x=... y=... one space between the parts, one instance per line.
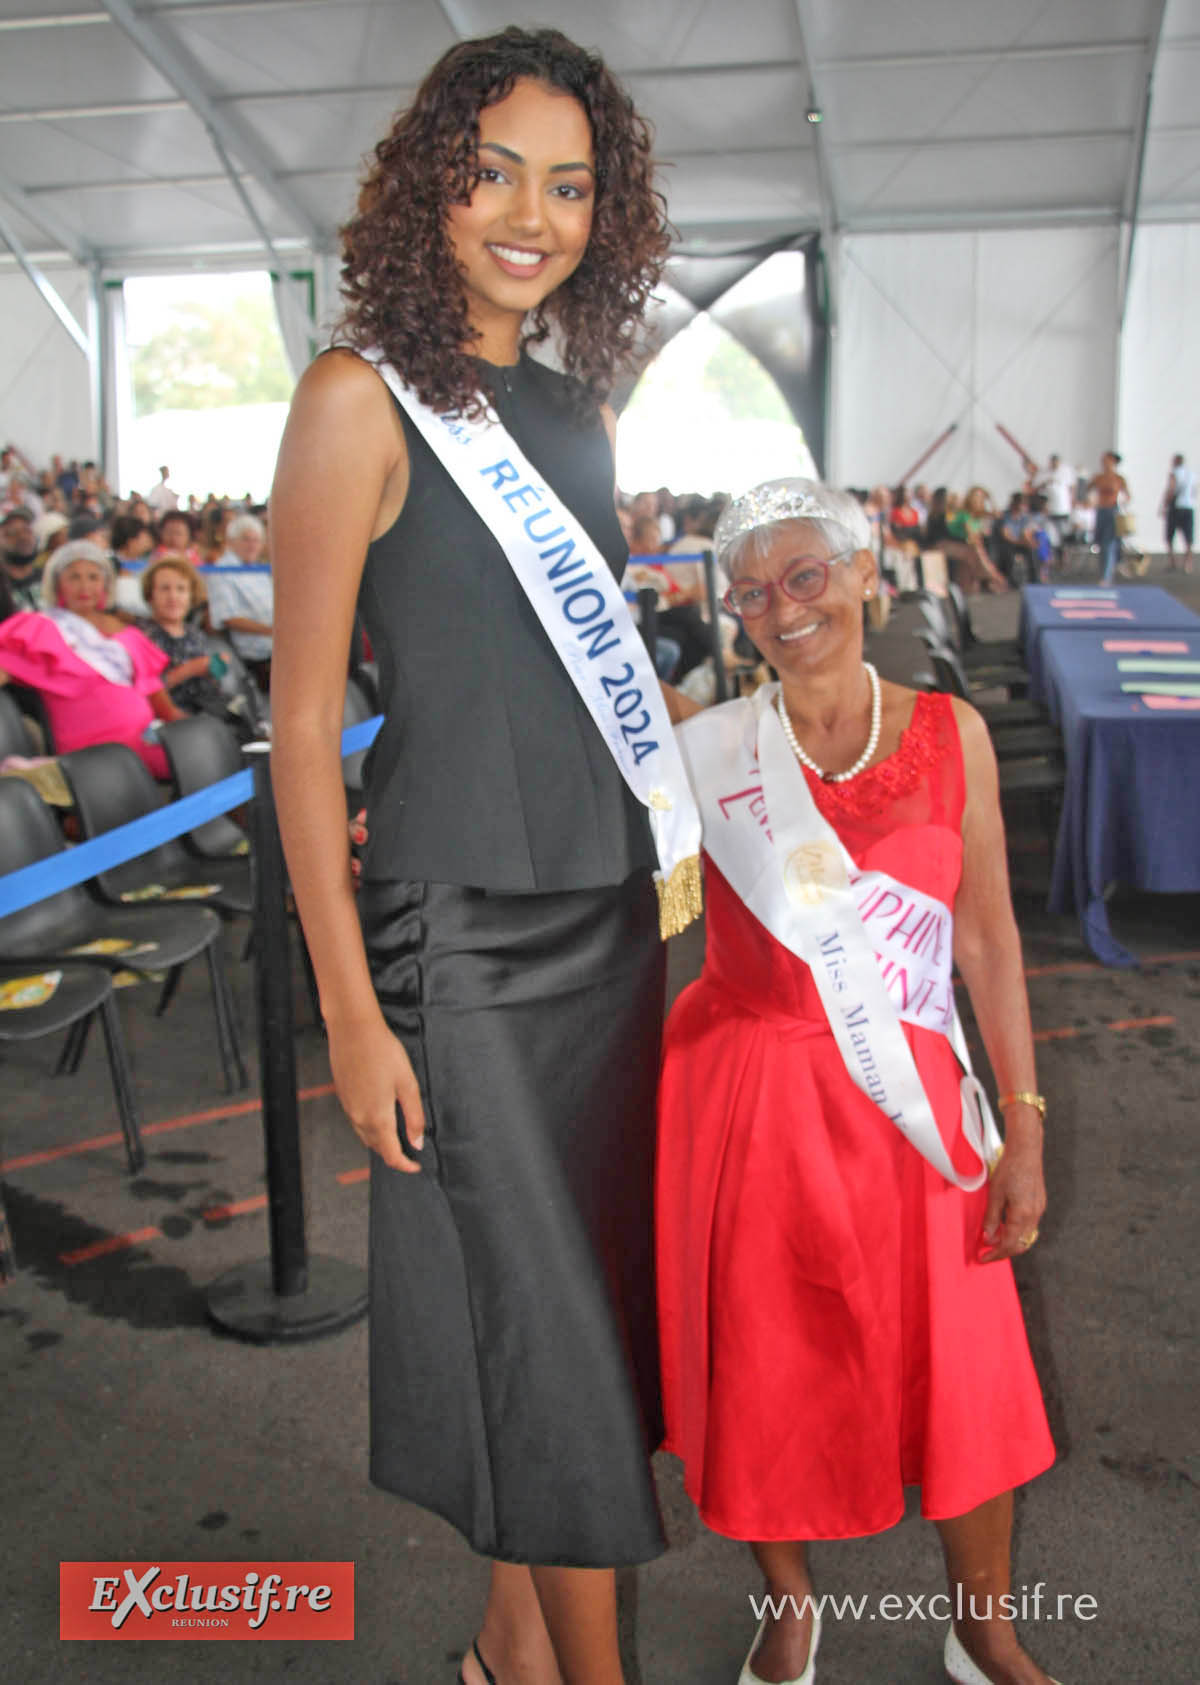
x=1137 y=162
x=51 y=20
x=982 y=55
x=47 y=221
x=48 y=291
x=830 y=227
x=225 y=133
x=64 y=113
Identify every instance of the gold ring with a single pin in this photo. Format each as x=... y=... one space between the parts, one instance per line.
x=1027 y=1240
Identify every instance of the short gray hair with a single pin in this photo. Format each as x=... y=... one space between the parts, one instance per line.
x=78 y=550
x=242 y=524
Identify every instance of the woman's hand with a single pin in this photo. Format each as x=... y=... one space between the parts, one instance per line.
x=1016 y=1194
x=375 y=1084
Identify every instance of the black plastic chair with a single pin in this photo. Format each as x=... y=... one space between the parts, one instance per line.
x=83 y=993
x=201 y=751
x=366 y=677
x=112 y=786
x=356 y=708
x=238 y=686
x=974 y=649
x=147 y=941
x=15 y=736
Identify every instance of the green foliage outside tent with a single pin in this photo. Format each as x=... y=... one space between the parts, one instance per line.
x=210 y=356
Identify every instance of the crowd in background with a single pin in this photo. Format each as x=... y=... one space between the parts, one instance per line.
x=149 y=547
x=107 y=628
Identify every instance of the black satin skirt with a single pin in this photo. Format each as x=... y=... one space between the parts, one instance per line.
x=514 y=1363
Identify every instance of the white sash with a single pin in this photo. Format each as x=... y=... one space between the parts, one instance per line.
x=586 y=617
x=765 y=833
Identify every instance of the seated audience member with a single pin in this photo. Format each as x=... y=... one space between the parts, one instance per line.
x=937 y=529
x=902 y=542
x=176 y=536
x=172 y=591
x=214 y=521
x=243 y=604
x=132 y=541
x=966 y=548
x=99 y=679
x=687 y=617
x=19 y=558
x=1013 y=539
x=904 y=519
x=49 y=531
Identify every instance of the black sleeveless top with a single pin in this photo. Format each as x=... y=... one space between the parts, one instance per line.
x=488 y=769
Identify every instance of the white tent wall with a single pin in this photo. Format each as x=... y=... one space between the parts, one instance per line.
x=45 y=381
x=1160 y=367
x=1013 y=326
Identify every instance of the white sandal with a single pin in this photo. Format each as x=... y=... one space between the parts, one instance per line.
x=748 y=1675
x=959 y=1666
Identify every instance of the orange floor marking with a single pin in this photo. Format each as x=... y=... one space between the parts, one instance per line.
x=239 y=1208
x=1138 y=1023
x=1116 y=1024
x=346 y=1177
x=241 y=1108
x=113 y=1243
x=1094 y=965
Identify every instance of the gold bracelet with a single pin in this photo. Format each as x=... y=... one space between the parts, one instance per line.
x=1023 y=1098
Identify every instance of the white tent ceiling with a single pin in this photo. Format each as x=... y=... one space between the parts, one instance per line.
x=173 y=132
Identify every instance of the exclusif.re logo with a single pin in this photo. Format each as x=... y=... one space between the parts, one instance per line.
x=206 y=1600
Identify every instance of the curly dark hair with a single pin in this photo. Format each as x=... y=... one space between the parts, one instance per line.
x=401 y=281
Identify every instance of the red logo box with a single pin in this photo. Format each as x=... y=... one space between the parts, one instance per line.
x=206 y=1600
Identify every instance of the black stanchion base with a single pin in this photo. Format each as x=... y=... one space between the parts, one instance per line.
x=243 y=1301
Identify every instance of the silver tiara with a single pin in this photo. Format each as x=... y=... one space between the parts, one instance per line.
x=774 y=500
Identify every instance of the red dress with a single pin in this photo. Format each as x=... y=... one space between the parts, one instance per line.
x=828 y=1335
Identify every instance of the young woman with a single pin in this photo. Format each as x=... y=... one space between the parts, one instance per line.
x=838 y=1315
x=494 y=1028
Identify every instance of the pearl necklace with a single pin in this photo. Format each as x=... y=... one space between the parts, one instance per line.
x=872 y=739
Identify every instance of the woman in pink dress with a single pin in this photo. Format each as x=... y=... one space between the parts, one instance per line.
x=838 y=1315
x=99 y=680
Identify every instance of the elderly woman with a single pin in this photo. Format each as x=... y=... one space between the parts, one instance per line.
x=243 y=603
x=839 y=1318
x=99 y=679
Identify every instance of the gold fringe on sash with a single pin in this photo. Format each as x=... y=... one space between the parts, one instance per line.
x=680 y=897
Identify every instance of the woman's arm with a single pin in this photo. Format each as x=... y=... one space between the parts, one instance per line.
x=340 y=481
x=194 y=668
x=987 y=948
x=164 y=708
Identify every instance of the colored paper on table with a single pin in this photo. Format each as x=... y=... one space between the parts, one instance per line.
x=1166 y=702
x=1151 y=646
x=1082 y=591
x=17 y=994
x=1098 y=614
x=1158 y=666
x=1141 y=687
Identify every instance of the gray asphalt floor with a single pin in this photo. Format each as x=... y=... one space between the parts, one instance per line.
x=133 y=1432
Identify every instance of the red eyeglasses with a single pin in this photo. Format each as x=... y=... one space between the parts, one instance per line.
x=804 y=581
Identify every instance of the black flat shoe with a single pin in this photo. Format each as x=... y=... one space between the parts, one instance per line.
x=487 y=1672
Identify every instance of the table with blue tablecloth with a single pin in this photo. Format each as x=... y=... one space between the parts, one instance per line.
x=1131 y=813
x=1081 y=608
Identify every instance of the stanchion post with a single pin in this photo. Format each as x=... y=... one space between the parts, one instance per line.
x=276 y=1033
x=714 y=625
x=289 y=1296
x=648 y=620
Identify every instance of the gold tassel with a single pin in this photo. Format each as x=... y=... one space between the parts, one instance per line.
x=680 y=897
